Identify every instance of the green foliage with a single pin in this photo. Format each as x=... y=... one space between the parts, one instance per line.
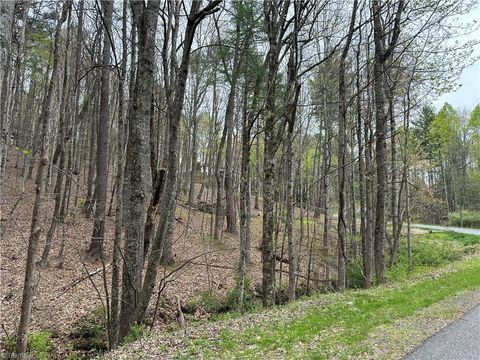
x=354 y=273
x=444 y=128
x=430 y=251
x=9 y=343
x=215 y=303
x=421 y=131
x=474 y=122
x=211 y=302
x=39 y=344
x=343 y=321
x=88 y=333
x=248 y=298
x=471 y=219
x=136 y=332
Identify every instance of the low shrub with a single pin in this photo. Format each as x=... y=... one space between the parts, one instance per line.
x=215 y=303
x=281 y=292
x=212 y=302
x=39 y=345
x=471 y=219
x=136 y=332
x=354 y=273
x=9 y=343
x=88 y=333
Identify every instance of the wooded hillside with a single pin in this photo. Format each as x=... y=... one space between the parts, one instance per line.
x=166 y=160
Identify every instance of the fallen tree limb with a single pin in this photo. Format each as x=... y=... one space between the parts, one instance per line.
x=88 y=275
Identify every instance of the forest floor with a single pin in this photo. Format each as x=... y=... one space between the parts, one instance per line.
x=65 y=294
x=66 y=297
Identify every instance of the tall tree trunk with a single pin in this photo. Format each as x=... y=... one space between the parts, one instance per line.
x=193 y=162
x=137 y=169
x=342 y=170
x=95 y=250
x=162 y=245
x=36 y=228
x=291 y=100
x=275 y=18
x=61 y=151
x=229 y=192
x=6 y=17
x=114 y=325
x=245 y=213
x=381 y=56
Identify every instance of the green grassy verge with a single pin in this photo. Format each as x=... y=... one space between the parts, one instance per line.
x=343 y=322
x=340 y=325
x=432 y=250
x=471 y=219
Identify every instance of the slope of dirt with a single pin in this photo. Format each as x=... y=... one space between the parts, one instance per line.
x=64 y=293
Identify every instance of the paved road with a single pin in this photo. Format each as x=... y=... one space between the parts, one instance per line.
x=458 y=341
x=448 y=228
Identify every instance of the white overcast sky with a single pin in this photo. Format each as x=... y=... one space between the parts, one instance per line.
x=468 y=95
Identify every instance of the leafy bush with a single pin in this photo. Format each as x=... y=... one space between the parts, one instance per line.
x=39 y=344
x=212 y=302
x=89 y=333
x=471 y=219
x=136 y=332
x=9 y=343
x=425 y=206
x=281 y=292
x=248 y=298
x=216 y=303
x=354 y=273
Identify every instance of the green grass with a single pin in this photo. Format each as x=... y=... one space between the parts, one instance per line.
x=471 y=219
x=432 y=250
x=344 y=321
x=39 y=345
x=341 y=325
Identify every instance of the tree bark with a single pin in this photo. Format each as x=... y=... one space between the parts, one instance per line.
x=36 y=227
x=162 y=245
x=114 y=325
x=6 y=17
x=342 y=142
x=381 y=56
x=95 y=250
x=137 y=170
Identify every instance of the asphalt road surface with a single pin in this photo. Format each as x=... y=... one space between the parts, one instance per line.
x=458 y=341
x=448 y=228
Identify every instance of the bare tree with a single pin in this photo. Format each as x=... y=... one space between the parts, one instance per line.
x=381 y=56
x=95 y=251
x=36 y=227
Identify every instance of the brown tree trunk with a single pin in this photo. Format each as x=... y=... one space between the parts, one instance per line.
x=95 y=251
x=36 y=228
x=137 y=169
x=114 y=325
x=342 y=170
x=162 y=245
x=381 y=56
x=275 y=18
x=62 y=142
x=6 y=17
